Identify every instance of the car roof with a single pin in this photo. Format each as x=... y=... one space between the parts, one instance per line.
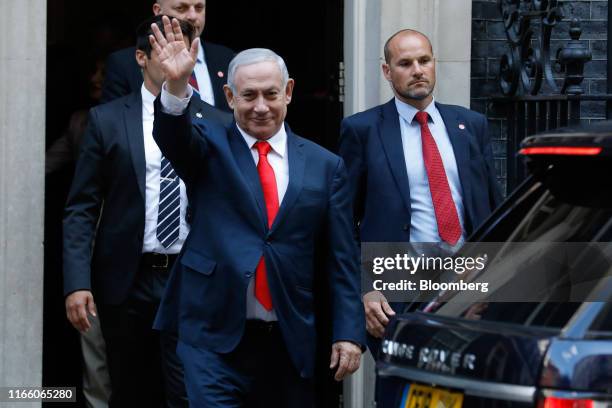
x=598 y=134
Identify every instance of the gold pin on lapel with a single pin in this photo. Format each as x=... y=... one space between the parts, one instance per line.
x=461 y=126
x=199 y=115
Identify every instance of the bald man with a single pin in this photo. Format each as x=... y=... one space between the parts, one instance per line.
x=420 y=171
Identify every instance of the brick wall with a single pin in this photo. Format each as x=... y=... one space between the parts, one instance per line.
x=489 y=44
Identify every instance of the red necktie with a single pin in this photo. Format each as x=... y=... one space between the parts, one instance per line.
x=449 y=227
x=193 y=81
x=268 y=184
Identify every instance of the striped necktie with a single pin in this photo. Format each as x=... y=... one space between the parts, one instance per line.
x=169 y=213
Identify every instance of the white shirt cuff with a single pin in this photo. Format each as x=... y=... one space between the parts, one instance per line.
x=173 y=105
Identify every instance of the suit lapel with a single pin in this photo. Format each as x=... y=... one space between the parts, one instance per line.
x=297 y=162
x=391 y=138
x=246 y=164
x=132 y=117
x=457 y=132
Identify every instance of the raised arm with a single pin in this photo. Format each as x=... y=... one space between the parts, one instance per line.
x=182 y=144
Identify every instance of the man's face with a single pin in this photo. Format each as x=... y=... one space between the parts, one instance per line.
x=193 y=11
x=260 y=101
x=411 y=69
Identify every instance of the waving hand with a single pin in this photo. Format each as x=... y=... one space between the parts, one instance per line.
x=177 y=61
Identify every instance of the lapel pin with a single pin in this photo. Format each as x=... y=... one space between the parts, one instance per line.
x=461 y=126
x=220 y=74
x=199 y=115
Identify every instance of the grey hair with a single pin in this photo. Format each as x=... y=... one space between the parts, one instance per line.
x=254 y=56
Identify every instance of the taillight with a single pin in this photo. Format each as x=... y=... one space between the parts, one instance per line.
x=561 y=150
x=554 y=402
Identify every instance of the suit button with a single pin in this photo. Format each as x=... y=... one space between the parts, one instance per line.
x=406 y=227
x=248 y=274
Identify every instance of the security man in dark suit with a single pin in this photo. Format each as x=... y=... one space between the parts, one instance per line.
x=123 y=75
x=419 y=170
x=126 y=219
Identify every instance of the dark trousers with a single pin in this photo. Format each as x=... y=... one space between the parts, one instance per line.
x=143 y=366
x=258 y=373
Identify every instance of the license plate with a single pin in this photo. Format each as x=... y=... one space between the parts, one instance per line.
x=421 y=396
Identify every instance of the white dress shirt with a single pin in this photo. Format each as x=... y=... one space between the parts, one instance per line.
x=152 y=177
x=423 y=224
x=278 y=159
x=203 y=77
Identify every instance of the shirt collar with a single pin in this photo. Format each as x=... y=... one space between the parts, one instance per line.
x=278 y=142
x=147 y=100
x=408 y=111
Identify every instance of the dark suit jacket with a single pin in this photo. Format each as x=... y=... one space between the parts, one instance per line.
x=123 y=75
x=110 y=174
x=371 y=146
x=205 y=299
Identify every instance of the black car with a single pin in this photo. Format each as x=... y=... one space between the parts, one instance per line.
x=554 y=351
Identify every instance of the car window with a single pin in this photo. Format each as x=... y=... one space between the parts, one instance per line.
x=603 y=322
x=553 y=220
x=543 y=216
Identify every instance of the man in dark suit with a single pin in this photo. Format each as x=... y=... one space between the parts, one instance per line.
x=419 y=171
x=123 y=75
x=127 y=199
x=269 y=206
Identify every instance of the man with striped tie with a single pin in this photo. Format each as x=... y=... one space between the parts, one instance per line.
x=128 y=199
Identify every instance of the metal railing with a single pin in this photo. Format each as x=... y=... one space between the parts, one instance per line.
x=528 y=115
x=532 y=99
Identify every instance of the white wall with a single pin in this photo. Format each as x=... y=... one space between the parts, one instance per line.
x=368 y=24
x=22 y=144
